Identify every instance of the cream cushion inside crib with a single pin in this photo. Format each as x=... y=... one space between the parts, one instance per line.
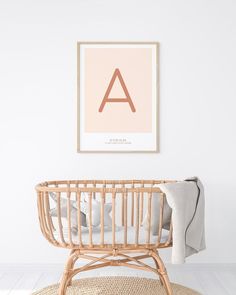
x=96 y=212
x=73 y=211
x=155 y=215
x=84 y=212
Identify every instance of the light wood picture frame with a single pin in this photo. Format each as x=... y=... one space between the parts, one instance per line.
x=118 y=96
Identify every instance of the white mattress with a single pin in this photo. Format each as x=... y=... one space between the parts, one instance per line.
x=119 y=236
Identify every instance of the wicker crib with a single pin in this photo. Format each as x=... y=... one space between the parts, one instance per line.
x=130 y=200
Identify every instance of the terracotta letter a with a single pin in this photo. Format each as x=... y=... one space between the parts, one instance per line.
x=106 y=98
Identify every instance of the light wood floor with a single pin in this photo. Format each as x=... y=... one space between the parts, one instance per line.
x=207 y=279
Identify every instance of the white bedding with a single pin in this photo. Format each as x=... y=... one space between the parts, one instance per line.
x=119 y=236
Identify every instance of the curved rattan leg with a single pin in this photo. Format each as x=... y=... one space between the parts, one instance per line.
x=66 y=278
x=162 y=272
x=157 y=267
x=71 y=266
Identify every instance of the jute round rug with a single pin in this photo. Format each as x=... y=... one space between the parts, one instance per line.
x=116 y=286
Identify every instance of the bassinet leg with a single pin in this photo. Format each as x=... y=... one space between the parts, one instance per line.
x=66 y=278
x=71 y=266
x=162 y=272
x=157 y=267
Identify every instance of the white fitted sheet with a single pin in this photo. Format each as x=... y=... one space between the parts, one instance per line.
x=119 y=236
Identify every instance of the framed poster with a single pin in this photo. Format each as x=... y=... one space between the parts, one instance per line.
x=118 y=97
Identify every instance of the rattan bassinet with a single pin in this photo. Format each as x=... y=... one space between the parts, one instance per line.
x=130 y=201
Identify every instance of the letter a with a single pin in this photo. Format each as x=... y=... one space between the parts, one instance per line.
x=106 y=96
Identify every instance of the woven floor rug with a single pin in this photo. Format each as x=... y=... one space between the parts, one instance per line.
x=116 y=286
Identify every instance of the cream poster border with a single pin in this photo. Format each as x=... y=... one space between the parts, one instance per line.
x=118 y=97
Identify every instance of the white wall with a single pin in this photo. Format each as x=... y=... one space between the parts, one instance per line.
x=38 y=109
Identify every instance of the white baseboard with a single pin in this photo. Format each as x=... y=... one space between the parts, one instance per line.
x=40 y=267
